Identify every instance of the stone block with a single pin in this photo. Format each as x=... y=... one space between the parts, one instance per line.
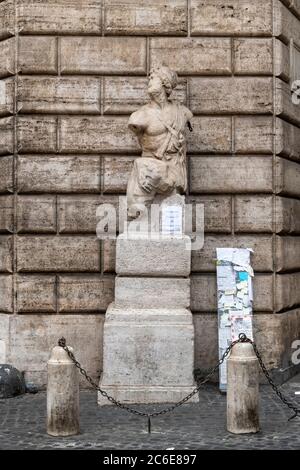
x=286 y=25
x=192 y=56
x=36 y=294
x=87 y=293
x=141 y=256
x=79 y=254
x=109 y=256
x=59 y=95
x=7 y=57
x=154 y=293
x=252 y=95
x=287 y=291
x=204 y=293
x=217 y=213
x=287 y=178
x=103 y=55
x=231 y=174
x=262 y=260
x=6 y=171
x=6 y=295
x=7 y=19
x=96 y=134
x=6 y=135
x=77 y=214
x=287 y=214
x=7 y=96
x=141 y=17
x=6 y=254
x=116 y=173
x=60 y=17
x=6 y=213
x=210 y=135
x=287 y=257
x=284 y=106
x=53 y=173
x=253 y=135
x=253 y=56
x=253 y=214
x=37 y=134
x=36 y=214
x=287 y=140
x=227 y=18
x=37 y=54
x=281 y=60
x=21 y=341
x=124 y=95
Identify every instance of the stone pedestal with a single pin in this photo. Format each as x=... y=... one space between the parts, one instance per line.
x=148 y=349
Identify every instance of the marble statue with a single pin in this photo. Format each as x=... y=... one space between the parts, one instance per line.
x=159 y=126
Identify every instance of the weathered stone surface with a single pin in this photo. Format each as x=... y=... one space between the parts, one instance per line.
x=6 y=294
x=287 y=291
x=262 y=259
x=253 y=56
x=7 y=96
x=36 y=214
x=103 y=55
x=21 y=347
x=287 y=139
x=295 y=62
x=62 y=394
x=12 y=382
x=253 y=214
x=227 y=18
x=204 y=293
x=6 y=171
x=192 y=56
x=141 y=256
x=36 y=294
x=287 y=254
x=141 y=17
x=109 y=256
x=60 y=16
x=146 y=292
x=59 y=95
x=37 y=54
x=286 y=25
x=6 y=254
x=84 y=293
x=6 y=135
x=53 y=173
x=7 y=57
x=124 y=95
x=210 y=135
x=37 y=134
x=281 y=60
x=284 y=106
x=252 y=95
x=217 y=213
x=287 y=177
x=77 y=214
x=95 y=134
x=287 y=215
x=6 y=213
x=7 y=19
x=49 y=253
x=231 y=174
x=116 y=173
x=253 y=134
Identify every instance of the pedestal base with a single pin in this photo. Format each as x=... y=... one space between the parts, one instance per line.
x=146 y=395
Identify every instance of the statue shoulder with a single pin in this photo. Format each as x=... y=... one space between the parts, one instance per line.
x=184 y=111
x=138 y=119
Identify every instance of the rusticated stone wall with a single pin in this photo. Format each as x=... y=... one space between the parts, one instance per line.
x=71 y=73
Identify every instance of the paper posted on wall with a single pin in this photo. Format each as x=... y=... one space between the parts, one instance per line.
x=235 y=299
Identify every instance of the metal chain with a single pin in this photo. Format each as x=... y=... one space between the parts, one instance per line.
x=242 y=339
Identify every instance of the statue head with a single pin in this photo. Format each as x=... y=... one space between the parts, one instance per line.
x=162 y=78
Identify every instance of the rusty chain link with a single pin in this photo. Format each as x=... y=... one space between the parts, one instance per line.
x=242 y=339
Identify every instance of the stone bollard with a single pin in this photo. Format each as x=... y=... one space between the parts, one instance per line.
x=62 y=395
x=242 y=390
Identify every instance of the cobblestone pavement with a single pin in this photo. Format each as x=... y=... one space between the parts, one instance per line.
x=193 y=426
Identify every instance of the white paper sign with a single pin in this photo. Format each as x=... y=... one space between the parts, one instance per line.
x=172 y=220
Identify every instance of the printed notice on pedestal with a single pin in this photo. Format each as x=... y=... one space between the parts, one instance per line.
x=171 y=217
